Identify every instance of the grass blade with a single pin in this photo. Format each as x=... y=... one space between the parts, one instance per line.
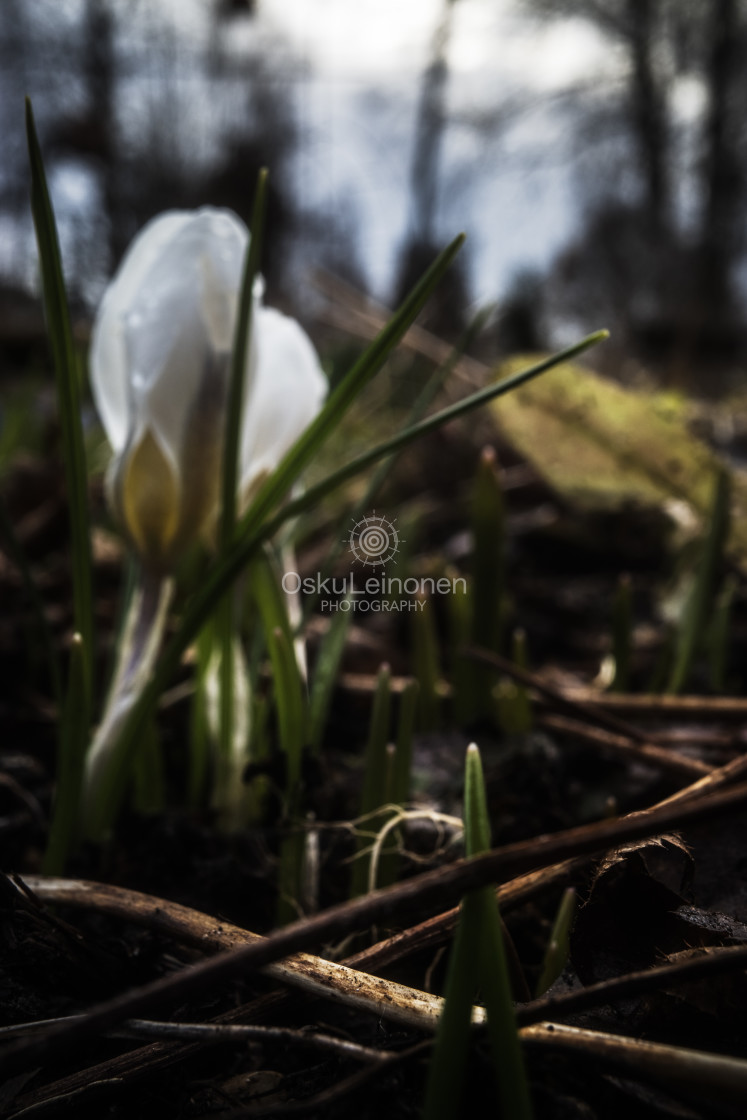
x=375 y=773
x=494 y=976
x=290 y=689
x=327 y=665
x=557 y=947
x=408 y=706
x=426 y=663
x=695 y=616
x=512 y=700
x=476 y=819
x=477 y=959
x=68 y=395
x=241 y=348
x=315 y=493
x=231 y=442
x=199 y=729
x=718 y=634
x=443 y=1094
x=488 y=575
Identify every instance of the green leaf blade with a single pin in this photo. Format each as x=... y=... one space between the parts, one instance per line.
x=68 y=392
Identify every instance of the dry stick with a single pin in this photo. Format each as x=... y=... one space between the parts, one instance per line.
x=718 y=1082
x=314 y=975
x=318 y=1104
x=643 y=704
x=209 y=1033
x=587 y=710
x=707 y=962
x=147 y=1060
x=645 y=752
x=426 y=935
x=431 y=890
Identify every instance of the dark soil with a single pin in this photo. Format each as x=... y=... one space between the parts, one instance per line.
x=647 y=904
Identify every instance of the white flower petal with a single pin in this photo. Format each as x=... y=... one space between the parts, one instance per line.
x=287 y=392
x=173 y=299
x=108 y=358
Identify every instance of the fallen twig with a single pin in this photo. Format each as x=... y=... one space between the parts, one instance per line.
x=587 y=709
x=717 y=1081
x=649 y=753
x=705 y=962
x=430 y=890
x=315 y=975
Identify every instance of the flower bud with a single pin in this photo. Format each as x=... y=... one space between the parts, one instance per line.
x=160 y=366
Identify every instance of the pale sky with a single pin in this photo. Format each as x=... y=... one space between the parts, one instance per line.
x=378 y=39
x=505 y=179
x=357 y=110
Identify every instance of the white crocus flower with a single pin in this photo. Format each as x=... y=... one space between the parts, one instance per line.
x=160 y=362
x=160 y=366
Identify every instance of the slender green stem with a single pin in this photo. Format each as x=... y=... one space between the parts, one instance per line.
x=106 y=763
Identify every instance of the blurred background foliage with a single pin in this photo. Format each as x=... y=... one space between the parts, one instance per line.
x=594 y=150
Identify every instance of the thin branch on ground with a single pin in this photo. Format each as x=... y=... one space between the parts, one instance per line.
x=648 y=753
x=705 y=962
x=424 y=892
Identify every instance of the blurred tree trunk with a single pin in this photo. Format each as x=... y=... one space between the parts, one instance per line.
x=723 y=176
x=648 y=111
x=99 y=64
x=446 y=309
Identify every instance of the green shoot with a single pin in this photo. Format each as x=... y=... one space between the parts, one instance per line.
x=690 y=633
x=622 y=634
x=462 y=675
x=408 y=705
x=376 y=766
x=718 y=634
x=556 y=954
x=426 y=668
x=514 y=706
x=328 y=660
x=199 y=726
x=477 y=955
x=487 y=590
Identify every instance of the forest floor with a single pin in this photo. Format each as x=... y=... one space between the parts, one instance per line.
x=172 y=890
